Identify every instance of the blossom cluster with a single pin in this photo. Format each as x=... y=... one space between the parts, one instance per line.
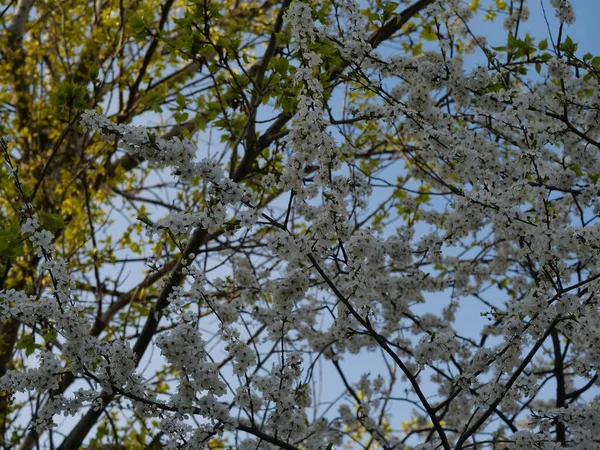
x=179 y=154
x=492 y=183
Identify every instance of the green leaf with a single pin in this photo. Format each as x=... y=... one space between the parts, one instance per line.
x=27 y=343
x=513 y=42
x=543 y=45
x=181 y=100
x=68 y=95
x=180 y=116
x=5 y=236
x=93 y=72
x=280 y=64
x=49 y=334
x=51 y=221
x=575 y=168
x=11 y=242
x=136 y=25
x=287 y=104
x=145 y=220
x=224 y=41
x=371 y=15
x=154 y=99
x=282 y=38
x=429 y=33
x=390 y=7
x=568 y=46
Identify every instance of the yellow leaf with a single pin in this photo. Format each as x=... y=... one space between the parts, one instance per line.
x=216 y=444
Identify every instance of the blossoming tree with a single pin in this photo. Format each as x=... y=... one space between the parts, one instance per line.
x=381 y=170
